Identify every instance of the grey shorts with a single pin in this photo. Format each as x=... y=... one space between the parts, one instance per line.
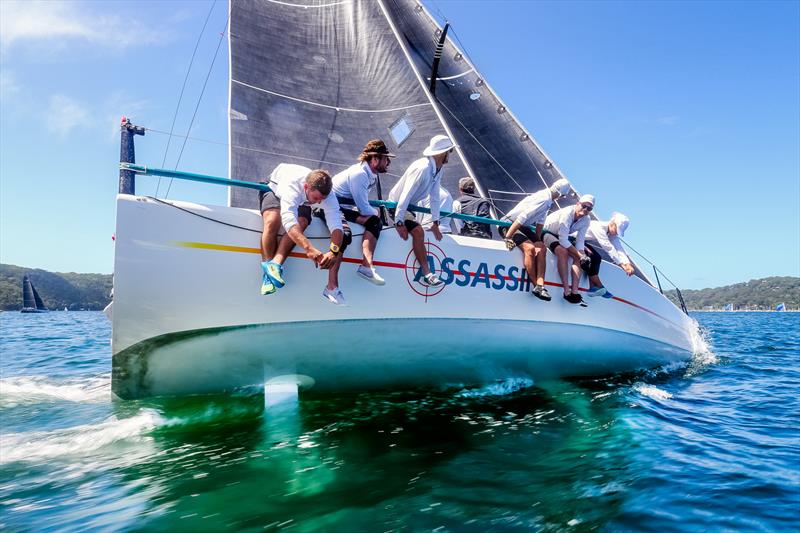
x=268 y=201
x=550 y=240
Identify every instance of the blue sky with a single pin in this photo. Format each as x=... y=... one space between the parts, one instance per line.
x=684 y=115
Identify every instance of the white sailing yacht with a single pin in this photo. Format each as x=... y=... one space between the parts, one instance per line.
x=310 y=82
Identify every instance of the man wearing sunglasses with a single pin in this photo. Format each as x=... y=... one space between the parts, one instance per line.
x=558 y=227
x=351 y=187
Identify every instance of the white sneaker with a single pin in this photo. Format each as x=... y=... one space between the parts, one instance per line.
x=335 y=296
x=370 y=275
x=431 y=280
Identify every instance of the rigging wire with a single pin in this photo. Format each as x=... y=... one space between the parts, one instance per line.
x=200 y=98
x=183 y=88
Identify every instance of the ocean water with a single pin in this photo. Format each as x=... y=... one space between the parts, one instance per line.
x=710 y=446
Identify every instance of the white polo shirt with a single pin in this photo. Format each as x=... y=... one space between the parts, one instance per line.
x=563 y=224
x=532 y=209
x=287 y=181
x=598 y=232
x=355 y=182
x=420 y=180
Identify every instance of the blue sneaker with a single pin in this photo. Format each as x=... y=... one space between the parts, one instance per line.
x=608 y=295
x=274 y=271
x=267 y=287
x=597 y=291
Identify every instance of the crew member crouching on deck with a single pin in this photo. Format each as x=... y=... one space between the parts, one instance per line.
x=558 y=226
x=606 y=236
x=531 y=211
x=421 y=179
x=295 y=189
x=352 y=186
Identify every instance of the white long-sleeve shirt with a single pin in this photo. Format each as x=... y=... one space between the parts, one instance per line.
x=287 y=181
x=598 y=232
x=445 y=204
x=563 y=224
x=355 y=182
x=420 y=180
x=532 y=209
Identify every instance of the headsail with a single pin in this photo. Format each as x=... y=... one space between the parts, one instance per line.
x=499 y=150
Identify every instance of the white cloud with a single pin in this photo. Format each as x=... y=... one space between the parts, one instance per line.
x=668 y=121
x=61 y=22
x=65 y=114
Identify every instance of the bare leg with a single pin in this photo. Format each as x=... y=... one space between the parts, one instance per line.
x=368 y=248
x=286 y=244
x=367 y=244
x=333 y=273
x=528 y=252
x=269 y=235
x=540 y=262
x=418 y=244
x=576 y=276
x=562 y=256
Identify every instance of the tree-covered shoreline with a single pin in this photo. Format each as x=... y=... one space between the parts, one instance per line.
x=90 y=292
x=756 y=295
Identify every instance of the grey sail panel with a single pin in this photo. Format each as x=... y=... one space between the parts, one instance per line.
x=501 y=153
x=312 y=82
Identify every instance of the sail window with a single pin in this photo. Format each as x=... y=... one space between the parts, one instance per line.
x=475 y=96
x=401 y=130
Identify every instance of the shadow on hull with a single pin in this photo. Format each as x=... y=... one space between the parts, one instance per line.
x=333 y=356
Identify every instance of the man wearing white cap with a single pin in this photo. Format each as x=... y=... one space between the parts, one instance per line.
x=606 y=236
x=421 y=179
x=558 y=227
x=531 y=211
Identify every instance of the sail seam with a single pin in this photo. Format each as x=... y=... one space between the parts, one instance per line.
x=330 y=106
x=304 y=6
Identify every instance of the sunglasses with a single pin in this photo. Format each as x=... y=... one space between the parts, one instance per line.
x=587 y=207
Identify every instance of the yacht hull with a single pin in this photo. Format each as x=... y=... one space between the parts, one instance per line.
x=188 y=317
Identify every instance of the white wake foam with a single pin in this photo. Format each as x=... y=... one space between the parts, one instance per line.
x=651 y=391
x=500 y=388
x=80 y=440
x=35 y=389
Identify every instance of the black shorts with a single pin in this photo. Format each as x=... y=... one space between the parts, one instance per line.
x=350 y=215
x=523 y=234
x=410 y=222
x=268 y=201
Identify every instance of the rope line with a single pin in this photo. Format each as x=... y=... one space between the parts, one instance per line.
x=183 y=88
x=222 y=221
x=200 y=99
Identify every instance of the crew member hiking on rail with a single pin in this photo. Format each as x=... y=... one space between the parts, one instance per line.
x=606 y=236
x=351 y=187
x=532 y=210
x=422 y=178
x=558 y=227
x=295 y=189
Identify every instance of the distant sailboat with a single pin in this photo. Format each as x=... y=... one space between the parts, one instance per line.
x=31 y=302
x=781 y=307
x=728 y=307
